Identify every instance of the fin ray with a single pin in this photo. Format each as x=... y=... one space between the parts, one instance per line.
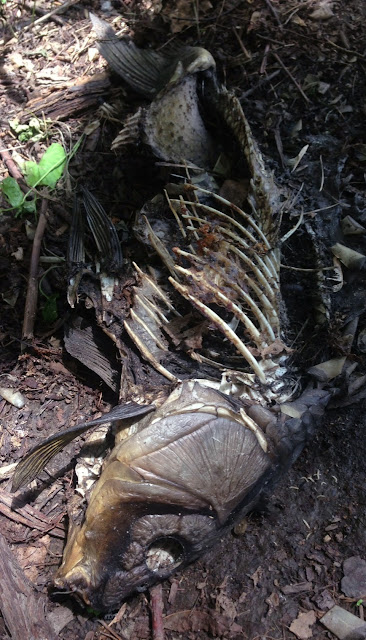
x=34 y=461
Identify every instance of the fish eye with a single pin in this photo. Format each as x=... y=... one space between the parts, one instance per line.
x=164 y=554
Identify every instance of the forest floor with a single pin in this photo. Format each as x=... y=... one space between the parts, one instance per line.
x=298 y=68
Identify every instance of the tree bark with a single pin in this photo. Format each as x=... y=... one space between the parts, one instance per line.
x=23 y=609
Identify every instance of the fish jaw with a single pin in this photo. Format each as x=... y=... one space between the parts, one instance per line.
x=133 y=554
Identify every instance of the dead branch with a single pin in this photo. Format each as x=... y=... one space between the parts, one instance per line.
x=30 y=309
x=275 y=55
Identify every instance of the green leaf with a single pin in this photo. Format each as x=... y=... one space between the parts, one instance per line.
x=49 y=311
x=12 y=191
x=31 y=173
x=52 y=165
x=50 y=168
x=29 y=204
x=17 y=199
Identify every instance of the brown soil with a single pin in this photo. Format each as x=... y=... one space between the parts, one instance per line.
x=299 y=71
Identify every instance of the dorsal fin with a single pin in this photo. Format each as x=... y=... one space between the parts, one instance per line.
x=145 y=70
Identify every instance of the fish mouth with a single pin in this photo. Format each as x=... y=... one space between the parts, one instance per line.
x=104 y=589
x=164 y=555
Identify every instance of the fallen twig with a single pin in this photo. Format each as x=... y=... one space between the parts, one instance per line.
x=279 y=145
x=60 y=9
x=275 y=12
x=291 y=76
x=156 y=603
x=22 y=608
x=30 y=517
x=32 y=291
x=349 y=51
x=13 y=169
x=242 y=47
x=259 y=84
x=41 y=12
x=110 y=632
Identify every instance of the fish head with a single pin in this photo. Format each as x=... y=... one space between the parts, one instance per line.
x=166 y=494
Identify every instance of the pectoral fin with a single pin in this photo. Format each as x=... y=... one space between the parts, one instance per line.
x=34 y=461
x=141 y=69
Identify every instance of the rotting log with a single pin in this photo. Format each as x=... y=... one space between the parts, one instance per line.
x=23 y=609
x=70 y=99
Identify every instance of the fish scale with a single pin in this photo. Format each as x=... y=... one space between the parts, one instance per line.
x=200 y=338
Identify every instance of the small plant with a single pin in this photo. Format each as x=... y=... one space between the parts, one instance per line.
x=46 y=172
x=35 y=130
x=49 y=309
x=16 y=197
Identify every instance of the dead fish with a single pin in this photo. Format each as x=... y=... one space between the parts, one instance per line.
x=212 y=409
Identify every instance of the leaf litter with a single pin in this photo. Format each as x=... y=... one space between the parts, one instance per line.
x=325 y=46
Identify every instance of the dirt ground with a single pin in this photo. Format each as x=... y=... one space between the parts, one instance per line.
x=298 y=68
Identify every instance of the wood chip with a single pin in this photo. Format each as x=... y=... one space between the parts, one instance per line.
x=301 y=626
x=297 y=588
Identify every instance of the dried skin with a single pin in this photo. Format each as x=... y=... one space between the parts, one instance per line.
x=189 y=470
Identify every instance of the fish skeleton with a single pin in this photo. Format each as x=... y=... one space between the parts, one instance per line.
x=211 y=409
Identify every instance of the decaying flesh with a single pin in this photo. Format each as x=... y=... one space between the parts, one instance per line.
x=200 y=339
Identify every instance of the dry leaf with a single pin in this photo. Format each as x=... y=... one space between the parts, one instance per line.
x=16 y=59
x=52 y=73
x=273 y=602
x=227 y=605
x=59 y=618
x=91 y=127
x=301 y=626
x=324 y=600
x=299 y=21
x=255 y=22
x=275 y=348
x=324 y=11
x=256 y=576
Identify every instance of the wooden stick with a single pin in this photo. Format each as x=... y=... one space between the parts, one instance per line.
x=156 y=603
x=60 y=9
x=291 y=76
x=23 y=610
x=30 y=309
x=13 y=169
x=41 y=12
